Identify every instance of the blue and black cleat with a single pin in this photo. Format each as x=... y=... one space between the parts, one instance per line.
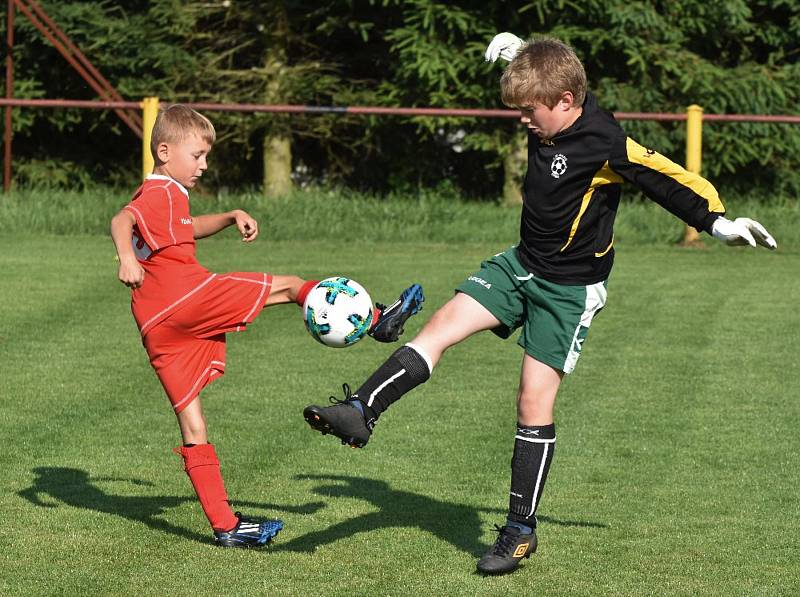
x=390 y=323
x=249 y=533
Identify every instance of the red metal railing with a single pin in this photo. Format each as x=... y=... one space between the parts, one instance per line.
x=120 y=105
x=381 y=110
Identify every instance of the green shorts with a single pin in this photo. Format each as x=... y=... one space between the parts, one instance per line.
x=554 y=318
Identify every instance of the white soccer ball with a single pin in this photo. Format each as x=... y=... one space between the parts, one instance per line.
x=338 y=312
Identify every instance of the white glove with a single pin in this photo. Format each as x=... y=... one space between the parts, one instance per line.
x=503 y=45
x=742 y=231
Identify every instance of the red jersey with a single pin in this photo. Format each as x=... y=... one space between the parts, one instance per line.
x=163 y=241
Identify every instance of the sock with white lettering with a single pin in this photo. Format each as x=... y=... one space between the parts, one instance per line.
x=533 y=452
x=407 y=368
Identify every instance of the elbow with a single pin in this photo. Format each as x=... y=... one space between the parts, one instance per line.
x=121 y=221
x=115 y=221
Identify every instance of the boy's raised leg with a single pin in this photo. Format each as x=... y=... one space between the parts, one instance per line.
x=353 y=418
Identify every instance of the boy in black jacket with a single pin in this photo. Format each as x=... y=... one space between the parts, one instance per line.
x=553 y=283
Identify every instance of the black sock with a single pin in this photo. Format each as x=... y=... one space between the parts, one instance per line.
x=401 y=373
x=533 y=452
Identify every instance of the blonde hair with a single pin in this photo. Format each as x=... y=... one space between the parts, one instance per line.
x=177 y=122
x=543 y=69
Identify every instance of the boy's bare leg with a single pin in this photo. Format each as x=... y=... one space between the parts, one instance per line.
x=412 y=364
x=536 y=397
x=455 y=321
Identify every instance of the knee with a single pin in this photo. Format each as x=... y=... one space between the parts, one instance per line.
x=526 y=398
x=442 y=321
x=194 y=435
x=193 y=430
x=534 y=406
x=436 y=334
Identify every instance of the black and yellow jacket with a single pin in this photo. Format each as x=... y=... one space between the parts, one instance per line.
x=572 y=189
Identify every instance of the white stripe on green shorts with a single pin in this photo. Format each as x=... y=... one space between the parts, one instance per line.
x=596 y=295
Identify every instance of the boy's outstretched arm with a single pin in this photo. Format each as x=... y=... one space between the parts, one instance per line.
x=685 y=194
x=130 y=272
x=210 y=224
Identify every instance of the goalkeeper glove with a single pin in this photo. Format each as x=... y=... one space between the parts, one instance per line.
x=503 y=45
x=742 y=231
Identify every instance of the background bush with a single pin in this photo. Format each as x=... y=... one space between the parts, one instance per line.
x=740 y=56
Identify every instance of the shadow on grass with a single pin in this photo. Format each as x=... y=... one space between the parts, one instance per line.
x=458 y=524
x=74 y=487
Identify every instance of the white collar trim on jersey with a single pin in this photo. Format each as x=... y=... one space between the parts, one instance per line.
x=162 y=177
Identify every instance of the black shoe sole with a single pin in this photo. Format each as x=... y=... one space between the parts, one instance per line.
x=391 y=330
x=504 y=570
x=391 y=333
x=316 y=419
x=228 y=544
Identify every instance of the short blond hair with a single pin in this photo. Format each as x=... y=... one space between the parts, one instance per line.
x=543 y=69
x=177 y=122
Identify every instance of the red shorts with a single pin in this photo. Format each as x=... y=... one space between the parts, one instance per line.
x=187 y=349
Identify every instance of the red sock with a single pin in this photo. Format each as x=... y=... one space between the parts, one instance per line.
x=202 y=466
x=376 y=315
x=304 y=290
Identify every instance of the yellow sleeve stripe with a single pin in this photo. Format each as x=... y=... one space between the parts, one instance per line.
x=603 y=176
x=637 y=154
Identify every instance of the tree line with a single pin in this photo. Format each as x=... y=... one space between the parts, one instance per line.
x=740 y=56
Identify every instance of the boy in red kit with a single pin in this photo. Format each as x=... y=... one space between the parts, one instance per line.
x=183 y=311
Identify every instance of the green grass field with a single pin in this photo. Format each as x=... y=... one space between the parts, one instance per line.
x=675 y=473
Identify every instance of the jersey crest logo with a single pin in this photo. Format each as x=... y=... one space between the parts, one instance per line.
x=558 y=166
